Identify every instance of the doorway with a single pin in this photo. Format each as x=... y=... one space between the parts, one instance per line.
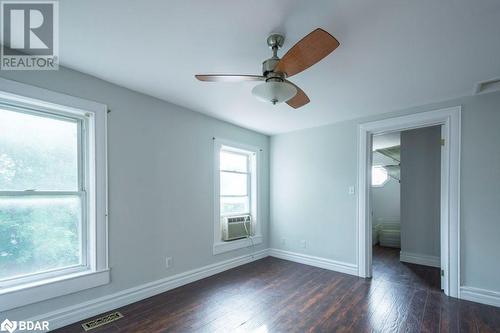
x=449 y=119
x=405 y=202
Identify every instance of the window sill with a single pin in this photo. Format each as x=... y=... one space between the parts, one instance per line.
x=221 y=247
x=13 y=297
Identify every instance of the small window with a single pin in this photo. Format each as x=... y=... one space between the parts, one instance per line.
x=236 y=190
x=235 y=180
x=379 y=176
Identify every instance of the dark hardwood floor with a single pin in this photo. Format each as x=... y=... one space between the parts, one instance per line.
x=387 y=267
x=274 y=295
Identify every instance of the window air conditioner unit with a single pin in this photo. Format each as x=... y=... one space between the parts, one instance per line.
x=236 y=227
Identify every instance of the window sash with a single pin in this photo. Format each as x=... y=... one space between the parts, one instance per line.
x=249 y=212
x=39 y=193
x=236 y=172
x=83 y=230
x=248 y=189
x=43 y=275
x=82 y=139
x=247 y=186
x=235 y=151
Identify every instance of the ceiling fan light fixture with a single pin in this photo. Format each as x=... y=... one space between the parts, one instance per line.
x=274 y=91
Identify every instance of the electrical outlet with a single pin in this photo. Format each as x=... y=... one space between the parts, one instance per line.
x=168 y=262
x=303 y=244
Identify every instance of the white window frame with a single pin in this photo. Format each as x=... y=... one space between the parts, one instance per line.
x=94 y=270
x=220 y=246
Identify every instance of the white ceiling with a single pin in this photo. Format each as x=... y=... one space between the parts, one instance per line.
x=393 y=53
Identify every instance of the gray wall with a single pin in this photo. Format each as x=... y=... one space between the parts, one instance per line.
x=421 y=191
x=160 y=184
x=317 y=165
x=311 y=171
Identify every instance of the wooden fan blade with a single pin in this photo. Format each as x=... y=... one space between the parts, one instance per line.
x=228 y=78
x=308 y=51
x=300 y=98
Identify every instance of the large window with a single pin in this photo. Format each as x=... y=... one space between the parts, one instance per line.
x=53 y=237
x=237 y=196
x=41 y=193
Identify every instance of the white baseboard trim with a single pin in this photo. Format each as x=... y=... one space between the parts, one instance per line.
x=332 y=265
x=386 y=243
x=479 y=295
x=78 y=312
x=420 y=259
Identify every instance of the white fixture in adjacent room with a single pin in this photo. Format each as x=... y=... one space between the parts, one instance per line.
x=379 y=176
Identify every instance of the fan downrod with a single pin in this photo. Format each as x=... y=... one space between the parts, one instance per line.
x=275 y=42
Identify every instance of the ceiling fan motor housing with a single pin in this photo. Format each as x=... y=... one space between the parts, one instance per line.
x=275 y=42
x=269 y=65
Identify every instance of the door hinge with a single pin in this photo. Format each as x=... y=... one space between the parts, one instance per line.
x=442 y=142
x=442 y=272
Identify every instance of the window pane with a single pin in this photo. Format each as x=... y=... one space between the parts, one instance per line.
x=37 y=153
x=233 y=183
x=38 y=234
x=234 y=205
x=233 y=162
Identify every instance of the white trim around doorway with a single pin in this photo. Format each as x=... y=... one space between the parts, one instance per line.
x=449 y=119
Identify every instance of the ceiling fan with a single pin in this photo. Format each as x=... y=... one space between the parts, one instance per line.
x=275 y=71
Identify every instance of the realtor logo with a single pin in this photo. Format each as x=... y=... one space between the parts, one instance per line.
x=24 y=325
x=29 y=35
x=8 y=326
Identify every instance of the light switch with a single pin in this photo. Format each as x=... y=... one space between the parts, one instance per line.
x=168 y=262
x=351 y=190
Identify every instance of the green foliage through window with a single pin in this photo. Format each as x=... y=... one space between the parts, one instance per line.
x=38 y=231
